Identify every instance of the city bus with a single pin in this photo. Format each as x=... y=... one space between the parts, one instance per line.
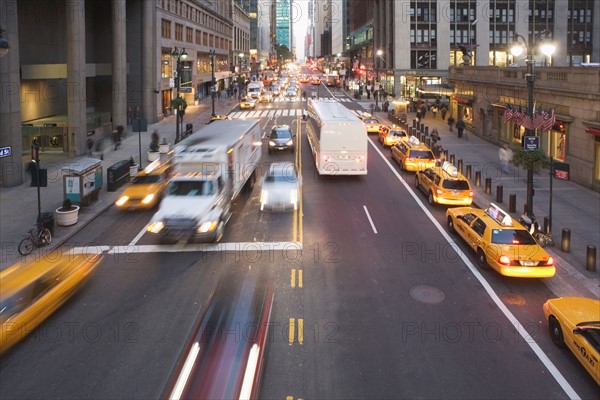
x=337 y=138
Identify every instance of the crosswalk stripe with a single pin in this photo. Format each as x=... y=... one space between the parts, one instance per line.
x=237 y=114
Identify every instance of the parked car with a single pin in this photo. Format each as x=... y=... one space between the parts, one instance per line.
x=412 y=155
x=281 y=187
x=574 y=323
x=390 y=135
x=500 y=242
x=444 y=185
x=372 y=125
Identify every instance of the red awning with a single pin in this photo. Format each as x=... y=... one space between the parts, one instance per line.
x=593 y=131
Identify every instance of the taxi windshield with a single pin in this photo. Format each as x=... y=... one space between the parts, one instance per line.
x=453 y=184
x=512 y=236
x=421 y=154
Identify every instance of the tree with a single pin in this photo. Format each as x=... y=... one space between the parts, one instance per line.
x=534 y=159
x=283 y=52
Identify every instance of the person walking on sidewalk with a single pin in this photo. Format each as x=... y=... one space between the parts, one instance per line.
x=444 y=111
x=434 y=110
x=460 y=127
x=505 y=155
x=450 y=123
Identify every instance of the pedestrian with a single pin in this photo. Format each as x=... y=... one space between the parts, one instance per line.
x=505 y=155
x=460 y=127
x=423 y=110
x=90 y=145
x=444 y=111
x=450 y=122
x=368 y=91
x=434 y=110
x=435 y=136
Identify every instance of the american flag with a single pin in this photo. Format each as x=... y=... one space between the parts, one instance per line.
x=519 y=117
x=538 y=119
x=549 y=121
x=508 y=114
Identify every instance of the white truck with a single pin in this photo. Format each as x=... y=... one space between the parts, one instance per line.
x=254 y=89
x=211 y=167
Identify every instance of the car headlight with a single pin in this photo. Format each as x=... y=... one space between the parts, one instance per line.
x=264 y=197
x=148 y=199
x=155 y=226
x=290 y=142
x=271 y=143
x=122 y=200
x=207 y=226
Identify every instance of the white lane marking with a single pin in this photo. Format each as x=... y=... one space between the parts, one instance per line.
x=183 y=377
x=560 y=379
x=236 y=114
x=164 y=248
x=370 y=219
x=139 y=235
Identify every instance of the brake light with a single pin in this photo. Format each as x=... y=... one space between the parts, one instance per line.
x=504 y=260
x=550 y=261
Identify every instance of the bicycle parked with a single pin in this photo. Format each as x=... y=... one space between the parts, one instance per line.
x=36 y=237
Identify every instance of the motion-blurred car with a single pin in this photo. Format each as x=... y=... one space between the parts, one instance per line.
x=280 y=189
x=372 y=125
x=30 y=292
x=281 y=138
x=390 y=135
x=276 y=90
x=500 y=242
x=315 y=80
x=444 y=185
x=412 y=155
x=265 y=97
x=247 y=102
x=218 y=118
x=574 y=322
x=291 y=92
x=146 y=189
x=304 y=79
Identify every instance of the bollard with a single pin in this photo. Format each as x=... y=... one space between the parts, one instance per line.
x=590 y=258
x=488 y=185
x=428 y=142
x=445 y=154
x=426 y=131
x=422 y=127
x=478 y=178
x=452 y=158
x=565 y=241
x=546 y=225
x=524 y=208
x=459 y=165
x=414 y=123
x=499 y=193
x=468 y=175
x=512 y=202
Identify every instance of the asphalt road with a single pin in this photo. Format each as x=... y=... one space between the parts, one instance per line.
x=375 y=304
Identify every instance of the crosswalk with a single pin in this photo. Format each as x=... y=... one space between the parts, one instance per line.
x=296 y=99
x=270 y=113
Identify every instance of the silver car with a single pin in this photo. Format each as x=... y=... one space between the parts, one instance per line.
x=281 y=138
x=281 y=188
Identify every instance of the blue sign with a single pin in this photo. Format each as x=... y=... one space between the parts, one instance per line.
x=5 y=151
x=531 y=143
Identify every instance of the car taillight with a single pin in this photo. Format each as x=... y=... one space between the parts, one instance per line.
x=550 y=261
x=504 y=260
x=470 y=194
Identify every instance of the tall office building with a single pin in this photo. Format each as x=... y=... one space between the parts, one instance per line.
x=282 y=17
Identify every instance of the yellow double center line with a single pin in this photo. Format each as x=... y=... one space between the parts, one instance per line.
x=297 y=224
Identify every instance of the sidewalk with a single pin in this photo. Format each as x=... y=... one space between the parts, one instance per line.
x=573 y=207
x=18 y=211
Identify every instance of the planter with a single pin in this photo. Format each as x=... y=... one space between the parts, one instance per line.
x=153 y=155
x=164 y=148
x=133 y=170
x=68 y=217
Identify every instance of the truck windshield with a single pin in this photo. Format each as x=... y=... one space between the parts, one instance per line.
x=191 y=188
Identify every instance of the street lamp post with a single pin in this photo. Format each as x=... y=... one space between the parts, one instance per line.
x=181 y=55
x=376 y=79
x=240 y=59
x=517 y=49
x=213 y=88
x=35 y=158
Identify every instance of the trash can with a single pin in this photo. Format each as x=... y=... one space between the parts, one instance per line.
x=188 y=129
x=47 y=221
x=117 y=175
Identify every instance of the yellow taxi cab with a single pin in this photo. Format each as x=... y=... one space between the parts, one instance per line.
x=218 y=117
x=444 y=185
x=247 y=102
x=500 y=242
x=372 y=125
x=412 y=155
x=390 y=135
x=30 y=292
x=147 y=187
x=304 y=79
x=574 y=322
x=316 y=80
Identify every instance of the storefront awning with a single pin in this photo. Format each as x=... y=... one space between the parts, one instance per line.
x=592 y=127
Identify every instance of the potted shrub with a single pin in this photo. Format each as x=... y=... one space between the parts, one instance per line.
x=68 y=214
x=153 y=154
x=163 y=147
x=133 y=168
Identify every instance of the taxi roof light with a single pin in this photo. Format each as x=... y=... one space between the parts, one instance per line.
x=450 y=169
x=413 y=140
x=499 y=215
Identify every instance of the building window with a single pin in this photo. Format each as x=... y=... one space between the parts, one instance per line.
x=423 y=59
x=198 y=37
x=179 y=32
x=166 y=29
x=205 y=39
x=189 y=35
x=166 y=70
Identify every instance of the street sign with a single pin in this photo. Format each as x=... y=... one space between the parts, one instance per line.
x=5 y=151
x=561 y=171
x=531 y=143
x=139 y=125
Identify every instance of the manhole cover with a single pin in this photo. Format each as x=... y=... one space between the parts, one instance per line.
x=513 y=299
x=427 y=294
